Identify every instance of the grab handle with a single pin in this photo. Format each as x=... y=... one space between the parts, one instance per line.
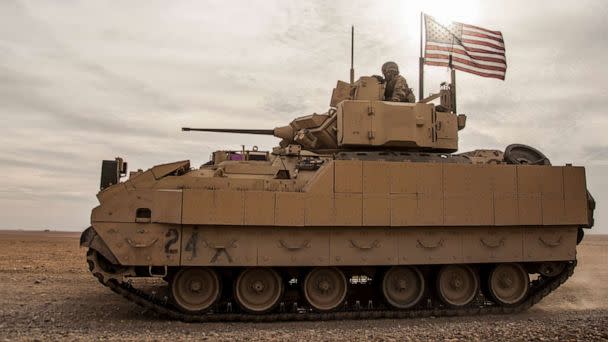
x=231 y=244
x=550 y=244
x=305 y=244
x=429 y=246
x=140 y=245
x=491 y=244
x=374 y=244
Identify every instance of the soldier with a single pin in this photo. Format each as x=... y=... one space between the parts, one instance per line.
x=397 y=89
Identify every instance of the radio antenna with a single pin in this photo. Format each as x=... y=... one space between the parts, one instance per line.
x=352 y=54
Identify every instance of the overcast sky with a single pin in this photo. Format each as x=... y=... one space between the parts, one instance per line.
x=82 y=81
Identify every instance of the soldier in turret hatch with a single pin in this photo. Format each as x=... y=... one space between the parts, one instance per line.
x=397 y=89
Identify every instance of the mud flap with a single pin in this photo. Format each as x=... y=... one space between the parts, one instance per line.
x=86 y=237
x=590 y=210
x=90 y=239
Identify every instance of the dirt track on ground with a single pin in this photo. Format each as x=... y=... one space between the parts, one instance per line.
x=46 y=292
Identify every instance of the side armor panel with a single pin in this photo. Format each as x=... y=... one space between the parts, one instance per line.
x=371 y=193
x=171 y=245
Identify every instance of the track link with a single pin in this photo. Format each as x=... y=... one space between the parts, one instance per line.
x=538 y=290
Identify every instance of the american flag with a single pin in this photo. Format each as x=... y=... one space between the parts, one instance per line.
x=474 y=49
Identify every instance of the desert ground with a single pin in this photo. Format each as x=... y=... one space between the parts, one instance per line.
x=46 y=292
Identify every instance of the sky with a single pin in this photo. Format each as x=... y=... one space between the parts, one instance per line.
x=83 y=81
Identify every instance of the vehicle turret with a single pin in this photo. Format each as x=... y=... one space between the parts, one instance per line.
x=358 y=118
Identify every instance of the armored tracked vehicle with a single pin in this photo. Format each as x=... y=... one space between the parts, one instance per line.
x=363 y=211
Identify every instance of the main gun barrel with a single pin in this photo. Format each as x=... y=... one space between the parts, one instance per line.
x=230 y=130
x=285 y=132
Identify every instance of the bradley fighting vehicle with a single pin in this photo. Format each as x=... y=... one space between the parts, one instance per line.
x=363 y=211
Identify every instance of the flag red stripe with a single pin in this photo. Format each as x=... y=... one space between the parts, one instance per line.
x=463 y=52
x=472 y=49
x=479 y=42
x=478 y=73
x=467 y=62
x=483 y=74
x=481 y=28
x=481 y=35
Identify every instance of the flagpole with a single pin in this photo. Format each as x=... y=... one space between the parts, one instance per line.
x=421 y=62
x=453 y=84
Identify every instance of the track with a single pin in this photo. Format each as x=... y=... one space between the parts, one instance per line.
x=539 y=288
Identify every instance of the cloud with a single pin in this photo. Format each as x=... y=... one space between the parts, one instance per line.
x=84 y=81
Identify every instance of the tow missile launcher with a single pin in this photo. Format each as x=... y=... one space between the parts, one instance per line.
x=362 y=211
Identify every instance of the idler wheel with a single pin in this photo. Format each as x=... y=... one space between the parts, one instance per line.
x=508 y=283
x=325 y=288
x=457 y=285
x=525 y=155
x=403 y=286
x=195 y=289
x=258 y=290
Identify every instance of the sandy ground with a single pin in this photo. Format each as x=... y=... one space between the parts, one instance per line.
x=46 y=292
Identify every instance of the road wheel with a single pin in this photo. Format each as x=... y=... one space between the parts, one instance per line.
x=258 y=290
x=195 y=289
x=508 y=283
x=403 y=286
x=457 y=285
x=325 y=288
x=524 y=155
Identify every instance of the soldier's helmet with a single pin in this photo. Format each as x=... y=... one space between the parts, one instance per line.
x=390 y=68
